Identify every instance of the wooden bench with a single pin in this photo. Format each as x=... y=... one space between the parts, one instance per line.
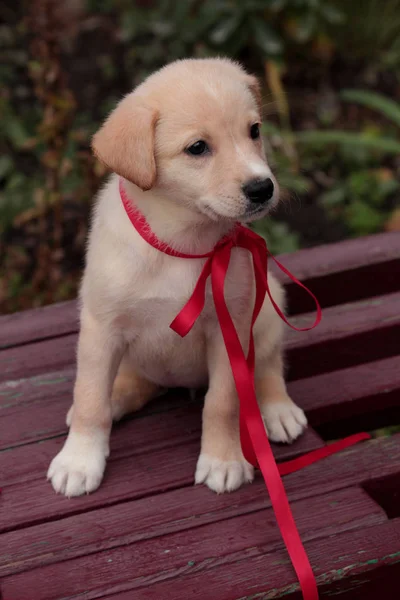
x=148 y=533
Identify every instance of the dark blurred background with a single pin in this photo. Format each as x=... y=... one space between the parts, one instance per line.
x=330 y=71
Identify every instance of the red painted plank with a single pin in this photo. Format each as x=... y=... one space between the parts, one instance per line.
x=155 y=472
x=20 y=394
x=138 y=435
x=176 y=511
x=36 y=408
x=337 y=273
x=349 y=334
x=129 y=438
x=38 y=324
x=37 y=358
x=350 y=392
x=358 y=391
x=347 y=255
x=228 y=539
x=342 y=564
x=344 y=272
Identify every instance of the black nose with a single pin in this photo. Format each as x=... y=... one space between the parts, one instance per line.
x=259 y=191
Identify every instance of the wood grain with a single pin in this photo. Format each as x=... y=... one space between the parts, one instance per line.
x=220 y=542
x=345 y=272
x=344 y=564
x=38 y=324
x=130 y=438
x=348 y=335
x=144 y=475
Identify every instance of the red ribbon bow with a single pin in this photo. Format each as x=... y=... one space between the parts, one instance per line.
x=255 y=445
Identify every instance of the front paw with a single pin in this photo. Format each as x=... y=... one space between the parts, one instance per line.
x=78 y=468
x=222 y=475
x=284 y=420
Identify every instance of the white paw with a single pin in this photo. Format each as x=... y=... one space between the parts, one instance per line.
x=223 y=476
x=78 y=468
x=284 y=420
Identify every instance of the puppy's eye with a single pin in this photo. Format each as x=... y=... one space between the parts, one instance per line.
x=198 y=148
x=255 y=131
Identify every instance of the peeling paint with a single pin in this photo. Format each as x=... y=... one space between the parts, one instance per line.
x=50 y=381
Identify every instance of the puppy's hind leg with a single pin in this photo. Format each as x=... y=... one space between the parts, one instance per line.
x=131 y=391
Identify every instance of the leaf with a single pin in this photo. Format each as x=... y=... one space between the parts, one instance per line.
x=278 y=235
x=390 y=186
x=331 y=13
x=15 y=132
x=225 y=29
x=364 y=219
x=278 y=91
x=347 y=138
x=303 y=27
x=293 y=182
x=267 y=40
x=6 y=165
x=276 y=5
x=388 y=108
x=333 y=197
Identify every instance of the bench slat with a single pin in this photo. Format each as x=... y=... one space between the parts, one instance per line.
x=154 y=472
x=348 y=335
x=364 y=388
x=347 y=255
x=174 y=511
x=215 y=542
x=130 y=438
x=357 y=565
x=345 y=272
x=38 y=324
x=337 y=273
x=361 y=391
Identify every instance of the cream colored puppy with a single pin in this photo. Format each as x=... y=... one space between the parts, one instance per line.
x=187 y=144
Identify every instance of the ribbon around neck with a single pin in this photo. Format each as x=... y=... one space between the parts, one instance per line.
x=255 y=444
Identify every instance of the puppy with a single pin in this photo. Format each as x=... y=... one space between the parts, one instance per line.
x=187 y=146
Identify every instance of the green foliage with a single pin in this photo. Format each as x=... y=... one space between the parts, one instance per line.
x=277 y=142
x=370 y=32
x=371 y=139
x=360 y=200
x=387 y=107
x=261 y=29
x=279 y=237
x=367 y=140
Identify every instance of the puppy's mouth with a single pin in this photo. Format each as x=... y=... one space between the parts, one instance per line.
x=255 y=212
x=226 y=211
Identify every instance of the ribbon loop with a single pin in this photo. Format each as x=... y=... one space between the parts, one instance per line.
x=189 y=314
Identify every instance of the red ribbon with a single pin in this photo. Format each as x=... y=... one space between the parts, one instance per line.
x=255 y=445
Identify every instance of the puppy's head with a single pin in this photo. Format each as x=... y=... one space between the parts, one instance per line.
x=192 y=132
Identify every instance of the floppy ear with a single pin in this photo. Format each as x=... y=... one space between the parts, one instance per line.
x=255 y=88
x=125 y=142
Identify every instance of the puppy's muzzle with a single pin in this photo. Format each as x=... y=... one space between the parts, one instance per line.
x=258 y=191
